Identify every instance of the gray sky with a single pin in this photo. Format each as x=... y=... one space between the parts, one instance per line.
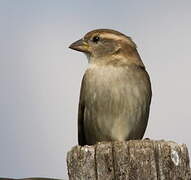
x=40 y=77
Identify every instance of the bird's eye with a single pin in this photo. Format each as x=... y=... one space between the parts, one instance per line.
x=95 y=39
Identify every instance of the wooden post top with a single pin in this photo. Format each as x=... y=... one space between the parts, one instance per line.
x=131 y=160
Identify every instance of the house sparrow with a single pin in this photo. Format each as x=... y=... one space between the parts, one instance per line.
x=116 y=90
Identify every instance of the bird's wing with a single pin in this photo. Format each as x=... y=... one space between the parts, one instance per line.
x=81 y=108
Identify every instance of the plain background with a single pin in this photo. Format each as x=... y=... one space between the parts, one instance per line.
x=40 y=77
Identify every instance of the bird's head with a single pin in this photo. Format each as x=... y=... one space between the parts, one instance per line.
x=106 y=44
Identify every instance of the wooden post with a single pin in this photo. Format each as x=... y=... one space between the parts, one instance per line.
x=131 y=160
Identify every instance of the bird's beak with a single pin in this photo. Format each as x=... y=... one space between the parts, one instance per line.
x=80 y=45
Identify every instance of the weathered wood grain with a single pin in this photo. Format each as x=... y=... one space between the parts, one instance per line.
x=131 y=160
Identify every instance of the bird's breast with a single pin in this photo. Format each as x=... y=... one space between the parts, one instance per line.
x=116 y=98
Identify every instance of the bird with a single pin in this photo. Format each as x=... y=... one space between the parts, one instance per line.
x=116 y=91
